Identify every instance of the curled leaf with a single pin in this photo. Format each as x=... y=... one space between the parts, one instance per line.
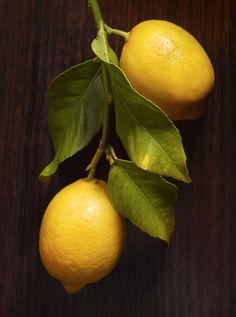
x=102 y=49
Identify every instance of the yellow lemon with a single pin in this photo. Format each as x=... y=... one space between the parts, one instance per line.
x=168 y=66
x=81 y=235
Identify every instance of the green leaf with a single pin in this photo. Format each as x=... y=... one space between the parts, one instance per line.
x=102 y=49
x=146 y=199
x=149 y=137
x=75 y=109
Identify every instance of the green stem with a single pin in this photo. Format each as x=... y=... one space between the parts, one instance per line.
x=111 y=155
x=108 y=92
x=93 y=4
x=110 y=30
x=106 y=84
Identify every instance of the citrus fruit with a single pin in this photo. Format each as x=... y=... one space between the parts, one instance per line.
x=168 y=66
x=81 y=235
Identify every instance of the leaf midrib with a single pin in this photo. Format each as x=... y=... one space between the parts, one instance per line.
x=147 y=131
x=131 y=180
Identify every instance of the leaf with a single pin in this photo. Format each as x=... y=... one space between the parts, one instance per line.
x=102 y=49
x=149 y=137
x=75 y=107
x=146 y=199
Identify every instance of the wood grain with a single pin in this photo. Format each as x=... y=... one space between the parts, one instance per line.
x=195 y=275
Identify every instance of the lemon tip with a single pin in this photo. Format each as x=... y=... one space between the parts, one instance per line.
x=72 y=288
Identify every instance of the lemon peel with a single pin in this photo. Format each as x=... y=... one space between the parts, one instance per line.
x=81 y=235
x=168 y=66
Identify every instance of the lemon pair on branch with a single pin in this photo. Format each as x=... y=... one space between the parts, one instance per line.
x=164 y=74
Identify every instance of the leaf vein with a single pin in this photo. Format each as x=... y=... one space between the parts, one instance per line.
x=148 y=132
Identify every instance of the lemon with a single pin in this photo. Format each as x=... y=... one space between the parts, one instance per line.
x=81 y=235
x=168 y=66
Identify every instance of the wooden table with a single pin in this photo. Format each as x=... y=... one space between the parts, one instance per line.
x=195 y=275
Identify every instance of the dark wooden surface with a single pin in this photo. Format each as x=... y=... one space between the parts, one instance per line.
x=194 y=276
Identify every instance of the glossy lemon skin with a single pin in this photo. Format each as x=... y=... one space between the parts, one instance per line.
x=81 y=235
x=168 y=66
